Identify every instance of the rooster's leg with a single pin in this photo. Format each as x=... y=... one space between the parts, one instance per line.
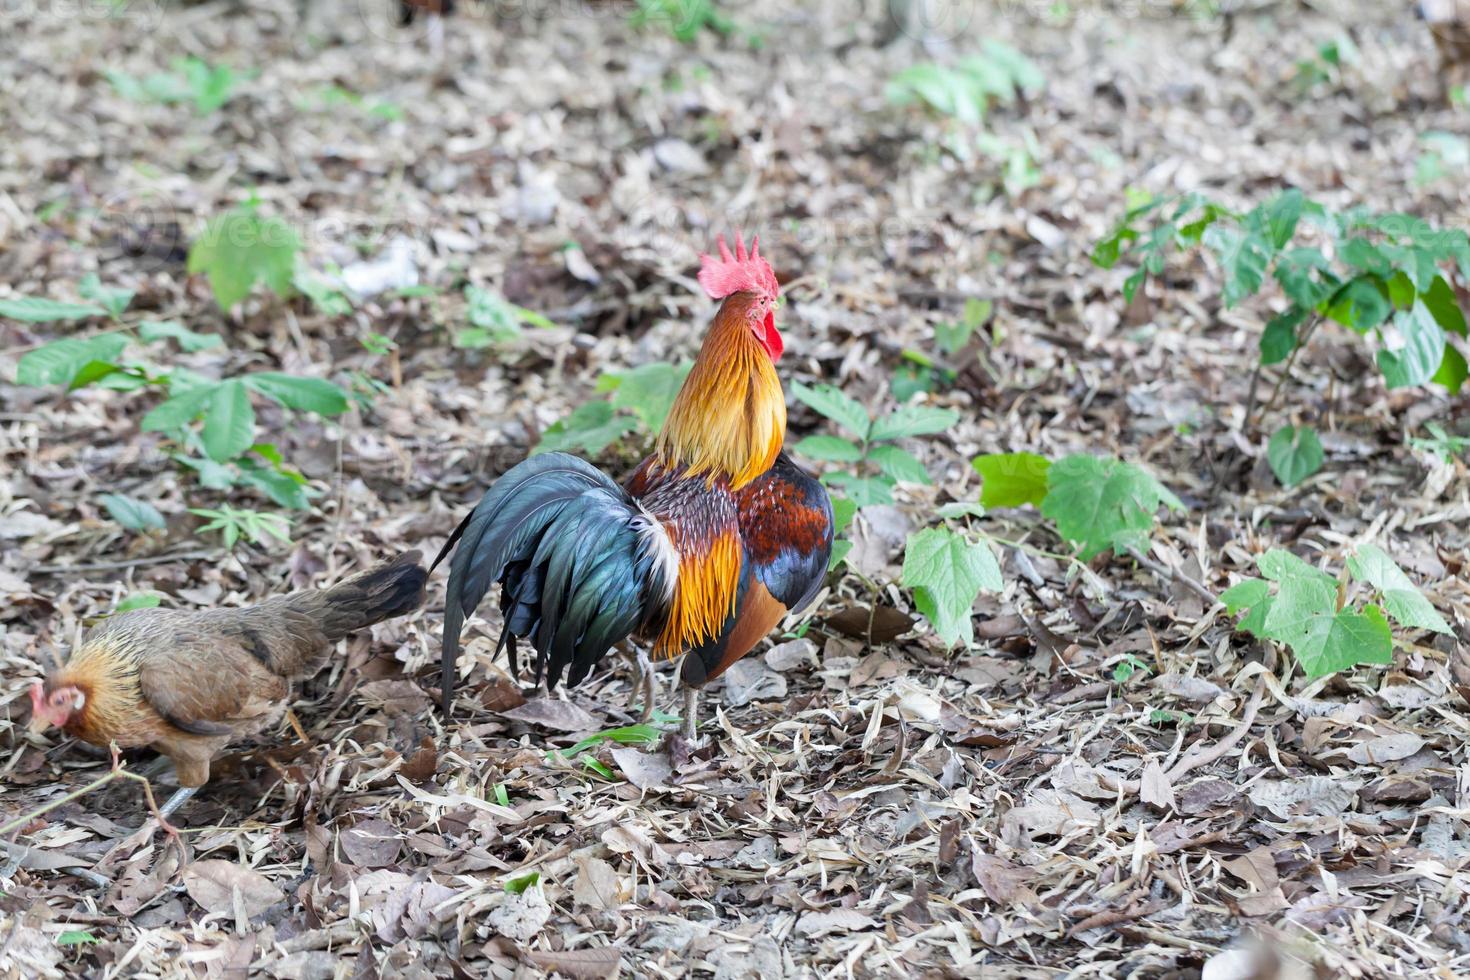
x=691 y=712
x=436 y=36
x=180 y=797
x=649 y=683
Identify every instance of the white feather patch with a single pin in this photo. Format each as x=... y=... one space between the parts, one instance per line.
x=658 y=546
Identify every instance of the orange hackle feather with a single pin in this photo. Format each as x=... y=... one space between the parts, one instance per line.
x=105 y=670
x=729 y=418
x=704 y=598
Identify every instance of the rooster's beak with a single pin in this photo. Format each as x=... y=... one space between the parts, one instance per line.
x=38 y=724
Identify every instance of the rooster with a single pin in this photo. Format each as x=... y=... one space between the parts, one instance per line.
x=710 y=543
x=189 y=683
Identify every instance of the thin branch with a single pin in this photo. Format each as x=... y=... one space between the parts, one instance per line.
x=117 y=566
x=1197 y=757
x=1164 y=572
x=1291 y=360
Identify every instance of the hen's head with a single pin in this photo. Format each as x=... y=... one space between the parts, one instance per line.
x=747 y=279
x=54 y=706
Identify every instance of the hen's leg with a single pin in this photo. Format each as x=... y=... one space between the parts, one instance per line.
x=649 y=682
x=691 y=712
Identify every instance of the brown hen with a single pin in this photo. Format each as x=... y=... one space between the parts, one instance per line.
x=189 y=683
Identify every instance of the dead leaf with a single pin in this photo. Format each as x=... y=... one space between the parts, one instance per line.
x=1155 y=788
x=1325 y=796
x=554 y=713
x=1003 y=882
x=791 y=654
x=1188 y=688
x=1386 y=748
x=394 y=696
x=212 y=884
x=816 y=924
x=751 y=680
x=591 y=963
x=521 y=917
x=371 y=844
x=597 y=885
x=643 y=769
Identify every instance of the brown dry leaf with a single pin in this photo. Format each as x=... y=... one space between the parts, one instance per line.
x=1003 y=882
x=562 y=716
x=1386 y=748
x=1155 y=788
x=396 y=697
x=521 y=917
x=645 y=770
x=371 y=844
x=1188 y=688
x=591 y=963
x=818 y=924
x=213 y=885
x=597 y=885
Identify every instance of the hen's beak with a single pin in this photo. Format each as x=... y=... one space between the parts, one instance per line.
x=38 y=724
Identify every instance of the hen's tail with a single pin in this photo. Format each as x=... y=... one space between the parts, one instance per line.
x=390 y=589
x=581 y=566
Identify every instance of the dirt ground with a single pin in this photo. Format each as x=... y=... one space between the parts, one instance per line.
x=867 y=803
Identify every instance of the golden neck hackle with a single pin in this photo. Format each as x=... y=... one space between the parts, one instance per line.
x=729 y=418
x=106 y=672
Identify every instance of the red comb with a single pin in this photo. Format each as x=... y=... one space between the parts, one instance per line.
x=741 y=272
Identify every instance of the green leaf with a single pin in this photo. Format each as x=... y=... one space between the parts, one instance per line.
x=114 y=299
x=1440 y=300
x=1305 y=276
x=1424 y=345
x=1012 y=479
x=960 y=509
x=229 y=422
x=1104 y=503
x=1363 y=254
x=239 y=249
x=518 y=886
x=648 y=391
x=180 y=410
x=1403 y=601
x=34 y=309
x=843 y=511
x=1244 y=594
x=188 y=340
x=1453 y=371
x=284 y=486
x=947 y=571
x=1360 y=305
x=1279 y=339
x=138 y=600
x=135 y=515
x=864 y=490
x=1243 y=257
x=913 y=420
x=835 y=405
x=591 y=428
x=75 y=937
x=60 y=361
x=899 y=464
x=1345 y=640
x=829 y=449
x=840 y=548
x=1294 y=454
x=1281 y=216
x=301 y=394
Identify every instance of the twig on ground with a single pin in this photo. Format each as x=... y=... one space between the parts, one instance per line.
x=1164 y=572
x=1198 y=757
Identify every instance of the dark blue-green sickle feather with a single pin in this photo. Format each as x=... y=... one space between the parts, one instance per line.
x=576 y=564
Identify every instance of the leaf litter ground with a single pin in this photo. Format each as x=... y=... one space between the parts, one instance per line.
x=1110 y=783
